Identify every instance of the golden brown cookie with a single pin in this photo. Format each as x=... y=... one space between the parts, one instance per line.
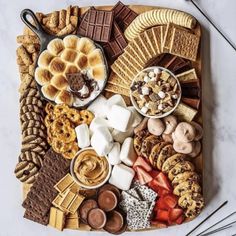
x=148 y=143
x=172 y=161
x=187 y=186
x=179 y=168
x=187 y=175
x=153 y=157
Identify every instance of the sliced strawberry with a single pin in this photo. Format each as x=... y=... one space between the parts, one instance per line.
x=180 y=220
x=175 y=213
x=162 y=215
x=162 y=181
x=163 y=191
x=158 y=224
x=170 y=200
x=141 y=162
x=153 y=186
x=143 y=175
x=154 y=173
x=160 y=204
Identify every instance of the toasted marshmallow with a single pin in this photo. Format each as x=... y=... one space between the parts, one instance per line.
x=119 y=118
x=122 y=176
x=127 y=153
x=114 y=154
x=102 y=141
x=98 y=107
x=82 y=134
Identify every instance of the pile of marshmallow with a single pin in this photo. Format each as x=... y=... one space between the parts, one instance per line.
x=111 y=134
x=185 y=136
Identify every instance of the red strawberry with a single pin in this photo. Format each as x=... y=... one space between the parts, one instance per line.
x=170 y=200
x=158 y=224
x=160 y=204
x=162 y=215
x=162 y=181
x=143 y=176
x=163 y=191
x=180 y=220
x=175 y=213
x=142 y=163
x=154 y=173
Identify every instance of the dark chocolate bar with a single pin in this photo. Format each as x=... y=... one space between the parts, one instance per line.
x=123 y=15
x=115 y=47
x=192 y=102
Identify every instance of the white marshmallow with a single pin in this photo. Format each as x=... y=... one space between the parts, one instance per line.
x=144 y=110
x=145 y=91
x=102 y=141
x=160 y=107
x=157 y=71
x=114 y=154
x=98 y=122
x=120 y=137
x=115 y=100
x=146 y=79
x=98 y=107
x=119 y=117
x=151 y=74
x=136 y=117
x=127 y=153
x=122 y=176
x=161 y=94
x=82 y=133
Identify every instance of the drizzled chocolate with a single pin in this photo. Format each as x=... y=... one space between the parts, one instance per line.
x=81 y=85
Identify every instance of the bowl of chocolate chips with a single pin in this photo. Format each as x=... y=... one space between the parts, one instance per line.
x=155 y=92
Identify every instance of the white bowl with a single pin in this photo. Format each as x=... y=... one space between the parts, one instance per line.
x=75 y=177
x=166 y=113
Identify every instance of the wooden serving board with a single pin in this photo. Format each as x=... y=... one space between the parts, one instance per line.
x=198 y=67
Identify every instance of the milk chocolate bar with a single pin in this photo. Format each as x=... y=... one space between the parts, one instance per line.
x=57 y=218
x=123 y=15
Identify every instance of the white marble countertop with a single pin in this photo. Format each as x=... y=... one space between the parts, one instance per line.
x=219 y=96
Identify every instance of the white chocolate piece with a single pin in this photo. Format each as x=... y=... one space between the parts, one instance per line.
x=122 y=176
x=170 y=123
x=155 y=126
x=102 y=141
x=183 y=147
x=114 y=154
x=115 y=100
x=136 y=117
x=119 y=118
x=82 y=134
x=120 y=137
x=127 y=153
x=98 y=122
x=98 y=107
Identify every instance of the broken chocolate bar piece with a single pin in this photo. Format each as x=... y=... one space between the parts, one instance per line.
x=123 y=15
x=115 y=47
x=192 y=102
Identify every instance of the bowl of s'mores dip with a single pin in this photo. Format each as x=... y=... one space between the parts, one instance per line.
x=111 y=118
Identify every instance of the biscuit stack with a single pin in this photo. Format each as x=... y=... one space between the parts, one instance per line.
x=176 y=166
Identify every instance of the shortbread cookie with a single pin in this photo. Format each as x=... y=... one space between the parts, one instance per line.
x=179 y=168
x=172 y=161
x=153 y=158
x=26 y=172
x=158 y=17
x=164 y=154
x=192 y=202
x=187 y=186
x=31 y=157
x=187 y=175
x=148 y=143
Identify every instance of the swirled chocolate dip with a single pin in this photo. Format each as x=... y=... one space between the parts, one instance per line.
x=81 y=85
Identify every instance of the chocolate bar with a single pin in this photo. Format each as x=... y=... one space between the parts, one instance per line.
x=116 y=45
x=192 y=102
x=38 y=201
x=97 y=25
x=123 y=15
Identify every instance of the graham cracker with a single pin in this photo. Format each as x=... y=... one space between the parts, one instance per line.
x=184 y=44
x=187 y=75
x=116 y=80
x=163 y=31
x=132 y=61
x=132 y=49
x=120 y=65
x=128 y=65
x=117 y=89
x=150 y=42
x=142 y=49
x=120 y=73
x=156 y=31
x=185 y=112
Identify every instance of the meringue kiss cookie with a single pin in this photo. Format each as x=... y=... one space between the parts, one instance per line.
x=127 y=153
x=155 y=126
x=183 y=147
x=167 y=138
x=199 y=130
x=171 y=123
x=196 y=149
x=114 y=154
x=82 y=134
x=185 y=132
